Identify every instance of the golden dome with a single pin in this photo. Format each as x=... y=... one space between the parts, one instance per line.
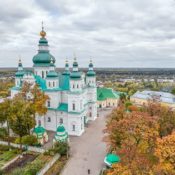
x=42 y=33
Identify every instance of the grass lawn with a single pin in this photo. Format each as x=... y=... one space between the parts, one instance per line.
x=6 y=154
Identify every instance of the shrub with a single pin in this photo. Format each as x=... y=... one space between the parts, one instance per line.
x=33 y=167
x=61 y=148
x=3 y=133
x=28 y=140
x=4 y=147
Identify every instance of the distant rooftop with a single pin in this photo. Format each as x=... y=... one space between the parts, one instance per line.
x=160 y=96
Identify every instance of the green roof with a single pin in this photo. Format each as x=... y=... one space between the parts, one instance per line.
x=61 y=128
x=91 y=73
x=40 y=81
x=106 y=93
x=43 y=57
x=39 y=130
x=112 y=158
x=75 y=74
x=63 y=107
x=64 y=82
x=43 y=42
x=52 y=74
x=19 y=73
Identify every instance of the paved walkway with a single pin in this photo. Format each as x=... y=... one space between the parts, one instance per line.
x=88 y=151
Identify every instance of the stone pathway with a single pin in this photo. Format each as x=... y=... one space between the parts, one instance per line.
x=88 y=151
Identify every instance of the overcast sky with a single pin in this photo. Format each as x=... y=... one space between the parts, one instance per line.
x=114 y=33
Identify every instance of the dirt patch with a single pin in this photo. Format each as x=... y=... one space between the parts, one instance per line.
x=20 y=162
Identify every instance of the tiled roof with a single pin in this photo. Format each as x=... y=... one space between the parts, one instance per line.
x=106 y=93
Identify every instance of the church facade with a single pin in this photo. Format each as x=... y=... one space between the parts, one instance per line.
x=72 y=93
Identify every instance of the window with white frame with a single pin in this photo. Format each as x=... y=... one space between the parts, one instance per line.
x=48 y=119
x=73 y=106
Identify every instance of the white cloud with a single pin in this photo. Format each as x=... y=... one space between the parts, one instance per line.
x=121 y=33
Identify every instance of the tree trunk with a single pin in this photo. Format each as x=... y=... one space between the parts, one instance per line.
x=8 y=133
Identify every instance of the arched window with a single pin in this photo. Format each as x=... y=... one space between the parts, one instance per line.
x=77 y=86
x=61 y=121
x=48 y=103
x=53 y=84
x=48 y=119
x=73 y=127
x=49 y=83
x=42 y=74
x=73 y=106
x=73 y=86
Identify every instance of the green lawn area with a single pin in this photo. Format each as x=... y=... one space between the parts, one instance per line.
x=6 y=154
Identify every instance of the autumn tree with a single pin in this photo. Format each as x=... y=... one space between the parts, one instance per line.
x=21 y=119
x=165 y=151
x=132 y=136
x=166 y=116
x=36 y=96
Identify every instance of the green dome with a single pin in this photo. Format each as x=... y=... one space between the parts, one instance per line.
x=19 y=74
x=61 y=128
x=91 y=73
x=75 y=75
x=112 y=158
x=43 y=57
x=52 y=74
x=90 y=64
x=39 y=130
x=43 y=41
x=75 y=64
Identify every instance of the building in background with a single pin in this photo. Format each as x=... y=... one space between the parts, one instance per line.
x=142 y=98
x=73 y=94
x=107 y=97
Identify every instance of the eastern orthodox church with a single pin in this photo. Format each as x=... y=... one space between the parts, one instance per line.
x=72 y=93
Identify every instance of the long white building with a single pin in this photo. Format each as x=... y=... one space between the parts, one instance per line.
x=73 y=94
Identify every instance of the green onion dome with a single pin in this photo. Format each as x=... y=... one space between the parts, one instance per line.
x=75 y=64
x=61 y=134
x=61 y=128
x=52 y=74
x=75 y=75
x=39 y=130
x=91 y=73
x=19 y=74
x=43 y=57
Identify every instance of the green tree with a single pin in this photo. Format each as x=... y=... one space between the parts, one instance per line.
x=5 y=113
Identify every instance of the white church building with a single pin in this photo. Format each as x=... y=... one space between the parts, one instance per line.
x=72 y=93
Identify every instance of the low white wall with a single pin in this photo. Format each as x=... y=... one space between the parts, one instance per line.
x=48 y=165
x=30 y=148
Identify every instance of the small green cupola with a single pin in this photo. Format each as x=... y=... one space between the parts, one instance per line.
x=61 y=134
x=43 y=57
x=91 y=70
x=52 y=77
x=20 y=71
x=52 y=73
x=75 y=74
x=66 y=71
